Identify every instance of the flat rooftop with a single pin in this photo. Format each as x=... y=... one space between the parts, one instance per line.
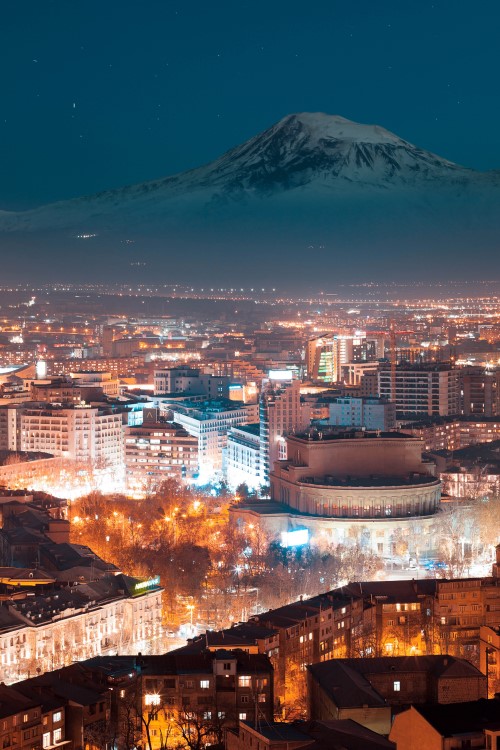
x=343 y=434
x=370 y=481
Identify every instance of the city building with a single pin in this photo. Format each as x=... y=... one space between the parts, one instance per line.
x=94 y=383
x=210 y=422
x=475 y=724
x=480 y=391
x=156 y=451
x=189 y=381
x=117 y=366
x=344 y=734
x=22 y=721
x=370 y=413
x=338 y=483
x=207 y=692
x=60 y=602
x=243 y=456
x=368 y=690
x=327 y=355
x=89 y=435
x=281 y=412
x=425 y=389
x=74 y=708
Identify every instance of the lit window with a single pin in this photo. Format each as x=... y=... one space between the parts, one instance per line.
x=204 y=684
x=56 y=717
x=46 y=739
x=57 y=735
x=242 y=716
x=152 y=699
x=244 y=681
x=397 y=686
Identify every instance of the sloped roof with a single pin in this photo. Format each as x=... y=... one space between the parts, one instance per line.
x=460 y=718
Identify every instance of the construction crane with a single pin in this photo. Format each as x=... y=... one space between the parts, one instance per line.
x=392 y=351
x=392 y=344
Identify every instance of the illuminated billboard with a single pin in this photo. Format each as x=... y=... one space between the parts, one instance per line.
x=151 y=583
x=280 y=375
x=294 y=538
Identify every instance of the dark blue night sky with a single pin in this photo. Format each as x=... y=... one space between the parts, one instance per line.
x=101 y=93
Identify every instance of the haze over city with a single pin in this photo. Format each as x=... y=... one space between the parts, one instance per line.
x=249 y=375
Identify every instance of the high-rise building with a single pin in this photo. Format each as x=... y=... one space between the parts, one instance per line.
x=281 y=413
x=424 y=389
x=327 y=356
x=480 y=391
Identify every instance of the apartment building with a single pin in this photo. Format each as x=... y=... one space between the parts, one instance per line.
x=85 y=434
x=156 y=451
x=117 y=366
x=370 y=413
x=370 y=619
x=210 y=422
x=202 y=693
x=457 y=725
x=190 y=381
x=367 y=690
x=453 y=433
x=422 y=390
x=22 y=721
x=61 y=602
x=243 y=456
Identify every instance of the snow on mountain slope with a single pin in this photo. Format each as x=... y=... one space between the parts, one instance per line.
x=320 y=166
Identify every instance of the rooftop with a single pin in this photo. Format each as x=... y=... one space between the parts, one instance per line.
x=313 y=434
x=371 y=481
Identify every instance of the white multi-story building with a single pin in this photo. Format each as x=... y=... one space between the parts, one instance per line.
x=210 y=423
x=84 y=434
x=243 y=456
x=43 y=632
x=370 y=413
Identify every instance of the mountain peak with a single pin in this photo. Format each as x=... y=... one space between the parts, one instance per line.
x=334 y=127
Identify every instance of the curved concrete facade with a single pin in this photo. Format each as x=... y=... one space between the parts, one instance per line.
x=356 y=475
x=357 y=502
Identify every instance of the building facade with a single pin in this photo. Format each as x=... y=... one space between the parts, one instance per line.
x=422 y=390
x=281 y=413
x=156 y=451
x=210 y=422
x=85 y=434
x=243 y=456
x=370 y=413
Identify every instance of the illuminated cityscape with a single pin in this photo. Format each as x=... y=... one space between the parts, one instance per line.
x=249 y=376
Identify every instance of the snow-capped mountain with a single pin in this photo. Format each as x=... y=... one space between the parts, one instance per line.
x=300 y=151
x=310 y=179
